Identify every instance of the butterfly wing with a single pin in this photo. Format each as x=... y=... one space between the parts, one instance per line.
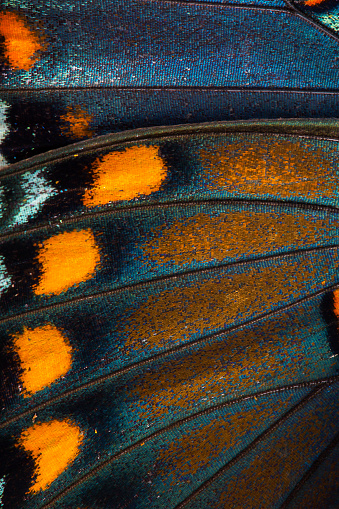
x=169 y=320
x=96 y=68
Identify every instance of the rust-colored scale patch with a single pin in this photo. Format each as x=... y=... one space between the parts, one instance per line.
x=53 y=445
x=45 y=355
x=195 y=450
x=242 y=359
x=271 y=474
x=66 y=260
x=216 y=303
x=311 y=3
x=21 y=42
x=272 y=166
x=203 y=238
x=75 y=123
x=126 y=174
x=336 y=303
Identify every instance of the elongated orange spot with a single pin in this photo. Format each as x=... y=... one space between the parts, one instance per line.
x=21 y=42
x=336 y=302
x=45 y=355
x=125 y=175
x=310 y=3
x=76 y=123
x=53 y=445
x=67 y=259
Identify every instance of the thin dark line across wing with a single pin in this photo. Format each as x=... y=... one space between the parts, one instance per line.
x=171 y=88
x=312 y=468
x=157 y=357
x=173 y=276
x=220 y=3
x=110 y=211
x=316 y=24
x=103 y=464
x=251 y=446
x=311 y=128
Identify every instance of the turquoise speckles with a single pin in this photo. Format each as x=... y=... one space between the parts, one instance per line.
x=2 y=487
x=37 y=190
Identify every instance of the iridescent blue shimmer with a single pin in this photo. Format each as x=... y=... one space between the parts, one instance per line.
x=203 y=345
x=194 y=45
x=169 y=285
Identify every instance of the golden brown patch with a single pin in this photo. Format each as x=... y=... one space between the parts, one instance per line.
x=271 y=473
x=195 y=450
x=53 y=445
x=67 y=259
x=203 y=238
x=45 y=356
x=272 y=166
x=76 y=123
x=216 y=303
x=21 y=42
x=242 y=359
x=125 y=175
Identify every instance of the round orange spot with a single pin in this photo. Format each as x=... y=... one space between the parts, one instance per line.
x=53 y=445
x=21 y=42
x=45 y=355
x=126 y=175
x=67 y=259
x=76 y=122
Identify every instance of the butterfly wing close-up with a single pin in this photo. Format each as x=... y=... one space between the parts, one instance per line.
x=169 y=285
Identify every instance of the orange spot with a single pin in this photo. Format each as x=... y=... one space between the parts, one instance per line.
x=336 y=302
x=53 y=445
x=45 y=355
x=310 y=3
x=67 y=259
x=21 y=42
x=125 y=175
x=77 y=122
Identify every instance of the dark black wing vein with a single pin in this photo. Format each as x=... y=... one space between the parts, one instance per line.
x=311 y=469
x=103 y=464
x=174 y=276
x=110 y=211
x=316 y=24
x=251 y=446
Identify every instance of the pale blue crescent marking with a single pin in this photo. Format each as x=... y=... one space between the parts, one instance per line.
x=4 y=130
x=330 y=19
x=37 y=191
x=2 y=488
x=5 y=280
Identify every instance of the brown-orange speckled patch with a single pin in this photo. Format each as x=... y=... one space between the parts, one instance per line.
x=204 y=238
x=66 y=260
x=244 y=358
x=269 y=475
x=21 y=42
x=196 y=449
x=272 y=166
x=126 y=174
x=53 y=445
x=76 y=123
x=216 y=303
x=45 y=356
